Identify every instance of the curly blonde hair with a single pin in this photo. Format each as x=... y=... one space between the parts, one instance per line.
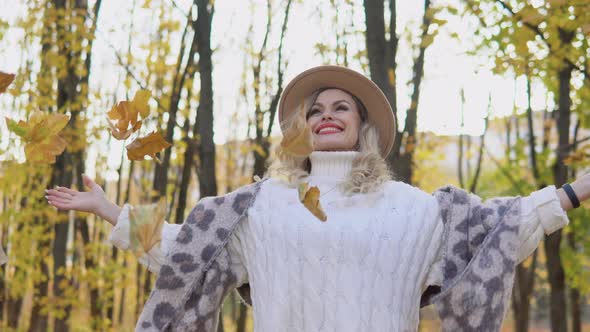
x=369 y=169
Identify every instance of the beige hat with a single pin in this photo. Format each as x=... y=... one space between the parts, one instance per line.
x=380 y=114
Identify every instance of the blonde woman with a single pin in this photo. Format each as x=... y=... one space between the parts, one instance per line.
x=367 y=260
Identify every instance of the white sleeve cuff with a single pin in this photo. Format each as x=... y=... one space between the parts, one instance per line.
x=548 y=208
x=119 y=236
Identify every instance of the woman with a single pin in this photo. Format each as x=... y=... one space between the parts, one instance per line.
x=385 y=246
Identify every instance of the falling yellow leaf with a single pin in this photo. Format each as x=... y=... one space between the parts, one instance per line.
x=140 y=102
x=5 y=80
x=297 y=138
x=46 y=151
x=147 y=146
x=126 y=115
x=145 y=226
x=311 y=200
x=40 y=135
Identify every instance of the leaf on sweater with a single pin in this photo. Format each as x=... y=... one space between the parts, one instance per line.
x=40 y=135
x=145 y=226
x=147 y=146
x=5 y=80
x=297 y=138
x=311 y=200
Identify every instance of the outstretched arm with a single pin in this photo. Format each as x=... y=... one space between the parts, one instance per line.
x=543 y=212
x=92 y=200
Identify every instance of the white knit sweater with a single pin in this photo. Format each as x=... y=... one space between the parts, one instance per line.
x=362 y=270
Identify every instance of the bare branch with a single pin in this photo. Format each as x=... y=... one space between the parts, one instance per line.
x=130 y=72
x=280 y=71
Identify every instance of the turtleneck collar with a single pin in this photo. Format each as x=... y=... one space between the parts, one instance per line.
x=335 y=164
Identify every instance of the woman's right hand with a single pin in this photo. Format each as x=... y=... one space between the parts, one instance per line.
x=92 y=200
x=69 y=199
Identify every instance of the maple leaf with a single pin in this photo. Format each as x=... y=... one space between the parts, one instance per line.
x=311 y=200
x=5 y=80
x=298 y=139
x=147 y=146
x=145 y=226
x=45 y=151
x=40 y=134
x=126 y=115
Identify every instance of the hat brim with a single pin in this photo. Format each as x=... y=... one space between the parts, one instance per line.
x=380 y=114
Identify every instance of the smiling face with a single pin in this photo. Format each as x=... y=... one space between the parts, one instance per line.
x=335 y=121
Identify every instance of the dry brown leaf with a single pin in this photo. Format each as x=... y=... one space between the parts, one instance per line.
x=5 y=80
x=126 y=115
x=147 y=146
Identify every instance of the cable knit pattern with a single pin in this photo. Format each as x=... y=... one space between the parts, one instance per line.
x=364 y=269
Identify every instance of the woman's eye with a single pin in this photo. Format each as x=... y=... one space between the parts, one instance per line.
x=342 y=107
x=313 y=111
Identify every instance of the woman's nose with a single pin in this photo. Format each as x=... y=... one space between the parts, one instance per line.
x=327 y=115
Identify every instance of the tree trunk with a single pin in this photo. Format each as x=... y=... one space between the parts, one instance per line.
x=39 y=321
x=189 y=157
x=204 y=121
x=556 y=276
x=124 y=289
x=14 y=305
x=262 y=139
x=161 y=170
x=62 y=174
x=381 y=54
x=523 y=287
x=65 y=168
x=405 y=166
x=574 y=295
x=525 y=277
x=576 y=310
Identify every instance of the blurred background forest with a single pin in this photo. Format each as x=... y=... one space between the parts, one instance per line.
x=490 y=95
